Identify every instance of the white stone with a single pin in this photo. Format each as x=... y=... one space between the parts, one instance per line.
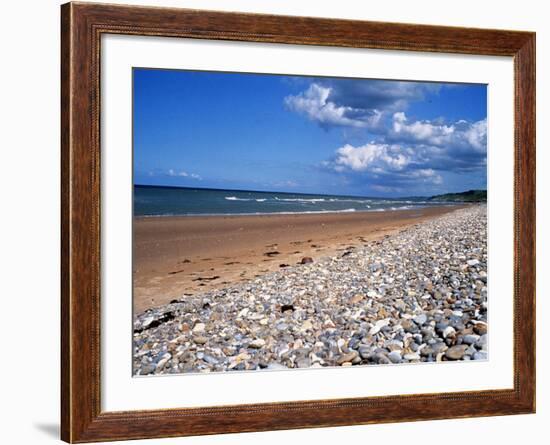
x=199 y=327
x=449 y=330
x=257 y=343
x=243 y=313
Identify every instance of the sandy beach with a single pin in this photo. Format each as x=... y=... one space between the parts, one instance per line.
x=179 y=256
x=416 y=295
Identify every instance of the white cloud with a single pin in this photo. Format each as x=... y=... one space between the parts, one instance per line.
x=315 y=104
x=357 y=103
x=461 y=134
x=426 y=175
x=476 y=135
x=383 y=162
x=420 y=131
x=183 y=174
x=405 y=152
x=371 y=157
x=387 y=95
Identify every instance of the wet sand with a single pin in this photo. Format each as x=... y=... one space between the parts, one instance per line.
x=175 y=256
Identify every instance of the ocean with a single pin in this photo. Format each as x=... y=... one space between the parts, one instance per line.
x=176 y=201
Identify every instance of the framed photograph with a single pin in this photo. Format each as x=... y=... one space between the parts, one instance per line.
x=275 y=222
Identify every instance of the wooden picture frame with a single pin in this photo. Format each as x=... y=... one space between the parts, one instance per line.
x=82 y=25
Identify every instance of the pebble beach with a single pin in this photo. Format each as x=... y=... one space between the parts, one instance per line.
x=417 y=295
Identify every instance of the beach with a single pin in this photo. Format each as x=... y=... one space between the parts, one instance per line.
x=231 y=293
x=176 y=256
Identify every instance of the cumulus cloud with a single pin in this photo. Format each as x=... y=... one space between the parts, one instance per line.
x=404 y=151
x=316 y=105
x=390 y=163
x=388 y=95
x=426 y=175
x=183 y=174
x=371 y=157
x=356 y=103
x=416 y=151
x=460 y=135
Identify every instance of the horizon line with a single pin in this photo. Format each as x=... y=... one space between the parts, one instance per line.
x=298 y=193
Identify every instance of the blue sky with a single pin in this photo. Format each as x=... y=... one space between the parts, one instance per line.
x=308 y=134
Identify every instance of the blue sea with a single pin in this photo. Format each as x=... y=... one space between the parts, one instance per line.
x=175 y=201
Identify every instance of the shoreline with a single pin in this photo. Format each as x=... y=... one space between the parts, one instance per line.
x=311 y=212
x=177 y=256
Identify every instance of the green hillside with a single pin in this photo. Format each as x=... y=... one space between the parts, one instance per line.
x=468 y=196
